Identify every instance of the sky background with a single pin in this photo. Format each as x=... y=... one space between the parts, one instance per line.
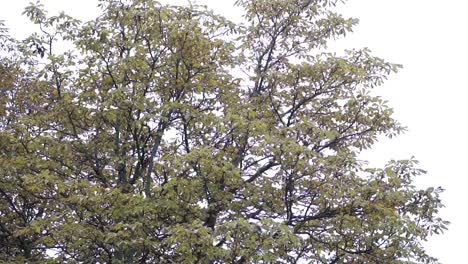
x=430 y=39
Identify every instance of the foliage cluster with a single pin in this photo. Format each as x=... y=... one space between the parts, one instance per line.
x=168 y=134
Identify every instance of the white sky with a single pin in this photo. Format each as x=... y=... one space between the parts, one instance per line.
x=429 y=37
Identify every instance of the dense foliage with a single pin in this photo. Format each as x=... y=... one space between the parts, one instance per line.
x=168 y=134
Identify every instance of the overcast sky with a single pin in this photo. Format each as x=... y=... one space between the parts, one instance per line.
x=430 y=39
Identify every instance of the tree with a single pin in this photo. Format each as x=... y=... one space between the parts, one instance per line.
x=168 y=134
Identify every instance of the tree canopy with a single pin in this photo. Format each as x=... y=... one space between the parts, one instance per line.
x=169 y=134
